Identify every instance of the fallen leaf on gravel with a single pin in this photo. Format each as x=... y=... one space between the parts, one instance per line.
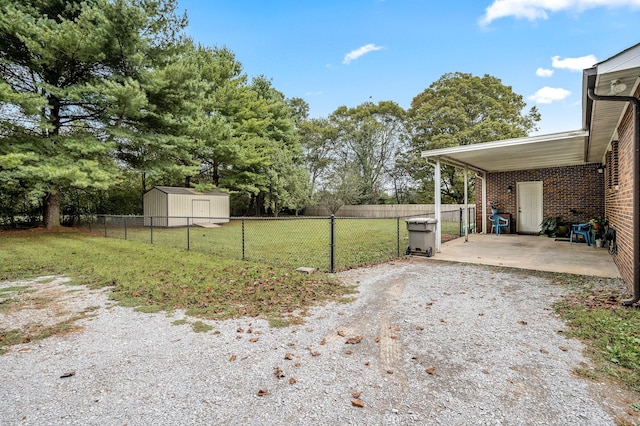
x=348 y=352
x=340 y=333
x=24 y=350
x=443 y=320
x=249 y=330
x=240 y=330
x=291 y=344
x=414 y=358
x=356 y=395
x=393 y=336
x=323 y=342
x=297 y=364
x=563 y=348
x=354 y=340
x=419 y=327
x=544 y=351
x=377 y=339
x=262 y=392
x=278 y=373
x=522 y=322
x=257 y=332
x=340 y=313
x=233 y=358
x=253 y=339
x=396 y=328
x=292 y=381
x=366 y=363
x=68 y=374
x=431 y=370
x=288 y=356
x=389 y=371
x=315 y=353
x=357 y=403
x=481 y=314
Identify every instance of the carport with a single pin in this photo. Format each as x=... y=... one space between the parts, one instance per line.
x=532 y=252
x=535 y=152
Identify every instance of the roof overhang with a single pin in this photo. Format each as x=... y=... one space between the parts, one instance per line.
x=534 y=152
x=602 y=118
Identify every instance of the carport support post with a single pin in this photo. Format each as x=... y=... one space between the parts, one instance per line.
x=466 y=205
x=438 y=202
x=188 y=236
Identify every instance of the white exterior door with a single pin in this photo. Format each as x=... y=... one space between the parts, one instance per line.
x=200 y=211
x=529 y=207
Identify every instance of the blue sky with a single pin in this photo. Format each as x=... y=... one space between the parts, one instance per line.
x=346 y=52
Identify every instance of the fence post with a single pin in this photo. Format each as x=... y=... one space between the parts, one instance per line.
x=243 y=238
x=125 y=227
x=151 y=227
x=104 y=218
x=398 y=234
x=188 y=235
x=332 y=244
x=460 y=223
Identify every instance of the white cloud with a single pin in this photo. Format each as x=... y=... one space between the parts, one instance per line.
x=543 y=72
x=318 y=93
x=538 y=9
x=548 y=95
x=355 y=54
x=574 y=64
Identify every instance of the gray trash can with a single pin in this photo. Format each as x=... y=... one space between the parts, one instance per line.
x=422 y=235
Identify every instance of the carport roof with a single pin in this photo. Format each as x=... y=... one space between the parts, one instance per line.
x=533 y=152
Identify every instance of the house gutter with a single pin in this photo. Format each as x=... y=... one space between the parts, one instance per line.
x=636 y=186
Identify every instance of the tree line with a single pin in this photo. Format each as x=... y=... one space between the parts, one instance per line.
x=100 y=100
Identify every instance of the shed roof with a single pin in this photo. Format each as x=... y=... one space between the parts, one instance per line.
x=187 y=191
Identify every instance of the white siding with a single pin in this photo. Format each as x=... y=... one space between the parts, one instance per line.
x=178 y=208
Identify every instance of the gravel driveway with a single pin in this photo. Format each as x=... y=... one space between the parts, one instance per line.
x=431 y=343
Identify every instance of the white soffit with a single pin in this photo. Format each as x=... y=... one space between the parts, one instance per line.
x=533 y=152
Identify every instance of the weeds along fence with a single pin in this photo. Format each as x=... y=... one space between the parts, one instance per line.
x=328 y=244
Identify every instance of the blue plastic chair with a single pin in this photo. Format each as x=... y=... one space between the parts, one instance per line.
x=498 y=222
x=583 y=229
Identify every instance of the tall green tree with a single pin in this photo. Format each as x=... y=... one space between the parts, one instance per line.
x=77 y=83
x=369 y=136
x=462 y=109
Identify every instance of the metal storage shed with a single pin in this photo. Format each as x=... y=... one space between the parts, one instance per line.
x=169 y=206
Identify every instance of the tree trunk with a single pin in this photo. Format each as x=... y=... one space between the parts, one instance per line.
x=51 y=210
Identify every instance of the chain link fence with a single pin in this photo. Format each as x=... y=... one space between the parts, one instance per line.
x=328 y=244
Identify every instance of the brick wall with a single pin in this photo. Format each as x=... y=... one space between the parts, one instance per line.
x=619 y=200
x=576 y=193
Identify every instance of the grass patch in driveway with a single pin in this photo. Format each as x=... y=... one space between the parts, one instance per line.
x=151 y=277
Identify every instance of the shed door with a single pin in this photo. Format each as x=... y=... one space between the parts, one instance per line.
x=529 y=196
x=200 y=211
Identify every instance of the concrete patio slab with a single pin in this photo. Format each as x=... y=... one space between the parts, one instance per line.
x=539 y=253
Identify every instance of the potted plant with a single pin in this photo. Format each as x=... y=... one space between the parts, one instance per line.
x=548 y=226
x=493 y=205
x=554 y=226
x=598 y=225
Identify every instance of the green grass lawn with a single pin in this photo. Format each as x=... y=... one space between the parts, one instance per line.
x=158 y=277
x=291 y=242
